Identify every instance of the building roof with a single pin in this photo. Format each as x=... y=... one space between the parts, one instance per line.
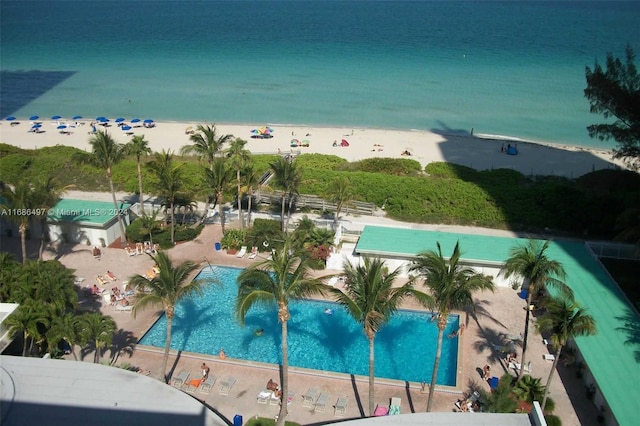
x=612 y=356
x=86 y=213
x=61 y=392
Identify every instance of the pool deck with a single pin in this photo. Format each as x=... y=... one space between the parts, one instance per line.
x=498 y=314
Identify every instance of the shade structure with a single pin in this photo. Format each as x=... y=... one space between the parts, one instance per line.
x=56 y=117
x=34 y=117
x=76 y=117
x=102 y=118
x=61 y=127
x=148 y=120
x=135 y=120
x=119 y=120
x=36 y=126
x=125 y=128
x=10 y=118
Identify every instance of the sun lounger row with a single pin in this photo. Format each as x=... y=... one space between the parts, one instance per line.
x=181 y=381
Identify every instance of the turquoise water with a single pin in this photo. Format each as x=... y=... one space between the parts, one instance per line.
x=405 y=347
x=510 y=68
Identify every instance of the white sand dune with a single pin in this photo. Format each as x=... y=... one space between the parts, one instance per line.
x=480 y=152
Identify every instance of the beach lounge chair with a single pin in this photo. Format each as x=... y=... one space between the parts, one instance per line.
x=264 y=396
x=100 y=279
x=121 y=308
x=254 y=252
x=310 y=397
x=340 y=407
x=394 y=406
x=516 y=366
x=179 y=380
x=321 y=403
x=549 y=357
x=380 y=411
x=242 y=252
x=192 y=385
x=130 y=252
x=207 y=385
x=227 y=384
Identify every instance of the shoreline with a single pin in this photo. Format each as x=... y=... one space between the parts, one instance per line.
x=478 y=151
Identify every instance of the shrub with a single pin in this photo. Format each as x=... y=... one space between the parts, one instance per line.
x=553 y=420
x=391 y=166
x=13 y=167
x=233 y=239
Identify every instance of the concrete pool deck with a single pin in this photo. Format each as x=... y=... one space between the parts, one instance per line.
x=498 y=314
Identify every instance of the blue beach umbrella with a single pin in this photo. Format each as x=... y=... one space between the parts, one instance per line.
x=148 y=120
x=125 y=128
x=11 y=118
x=135 y=120
x=76 y=117
x=101 y=118
x=34 y=117
x=37 y=125
x=119 y=120
x=56 y=117
x=62 y=127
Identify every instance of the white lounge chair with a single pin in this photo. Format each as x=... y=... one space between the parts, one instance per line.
x=321 y=403
x=549 y=357
x=121 y=308
x=227 y=384
x=341 y=406
x=516 y=366
x=264 y=396
x=207 y=385
x=395 y=406
x=254 y=252
x=179 y=380
x=310 y=397
x=242 y=252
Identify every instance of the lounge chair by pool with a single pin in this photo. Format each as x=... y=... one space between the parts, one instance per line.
x=207 y=385
x=394 y=406
x=341 y=406
x=310 y=397
x=321 y=403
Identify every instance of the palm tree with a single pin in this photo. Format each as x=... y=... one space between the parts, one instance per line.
x=106 y=154
x=565 y=320
x=63 y=328
x=239 y=158
x=149 y=224
x=371 y=299
x=20 y=201
x=139 y=147
x=287 y=177
x=284 y=277
x=48 y=194
x=340 y=192
x=251 y=179
x=170 y=286
x=530 y=262
x=206 y=145
x=451 y=286
x=169 y=185
x=27 y=319
x=217 y=179
x=96 y=329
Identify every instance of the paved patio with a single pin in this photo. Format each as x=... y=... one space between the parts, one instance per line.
x=498 y=314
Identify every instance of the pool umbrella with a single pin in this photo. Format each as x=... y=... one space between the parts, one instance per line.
x=34 y=117
x=11 y=118
x=56 y=117
x=76 y=117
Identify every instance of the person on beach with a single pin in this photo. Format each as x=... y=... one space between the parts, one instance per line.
x=205 y=371
x=486 y=371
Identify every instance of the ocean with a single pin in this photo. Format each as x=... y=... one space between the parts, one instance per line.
x=502 y=68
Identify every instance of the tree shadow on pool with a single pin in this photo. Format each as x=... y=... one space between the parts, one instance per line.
x=182 y=330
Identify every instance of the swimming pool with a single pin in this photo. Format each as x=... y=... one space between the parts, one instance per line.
x=405 y=347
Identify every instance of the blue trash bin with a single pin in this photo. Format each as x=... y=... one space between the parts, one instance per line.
x=218 y=246
x=237 y=420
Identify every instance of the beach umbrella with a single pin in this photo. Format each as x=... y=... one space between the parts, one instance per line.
x=119 y=120
x=34 y=117
x=11 y=118
x=101 y=118
x=62 y=127
x=56 y=117
x=148 y=120
x=125 y=128
x=36 y=126
x=135 y=120
x=76 y=117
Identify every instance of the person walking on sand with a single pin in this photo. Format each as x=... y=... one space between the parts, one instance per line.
x=486 y=371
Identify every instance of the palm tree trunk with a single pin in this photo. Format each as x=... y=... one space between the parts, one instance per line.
x=43 y=226
x=250 y=194
x=240 y=218
x=372 y=373
x=24 y=343
x=290 y=208
x=526 y=334
x=167 y=346
x=22 y=229
x=436 y=365
x=96 y=356
x=282 y=213
x=73 y=350
x=220 y=211
x=553 y=369
x=282 y=416
x=336 y=217
x=173 y=223
x=140 y=187
x=117 y=210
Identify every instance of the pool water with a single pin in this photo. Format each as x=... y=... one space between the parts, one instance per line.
x=404 y=348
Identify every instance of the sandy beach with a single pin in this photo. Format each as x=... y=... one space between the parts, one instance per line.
x=480 y=152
